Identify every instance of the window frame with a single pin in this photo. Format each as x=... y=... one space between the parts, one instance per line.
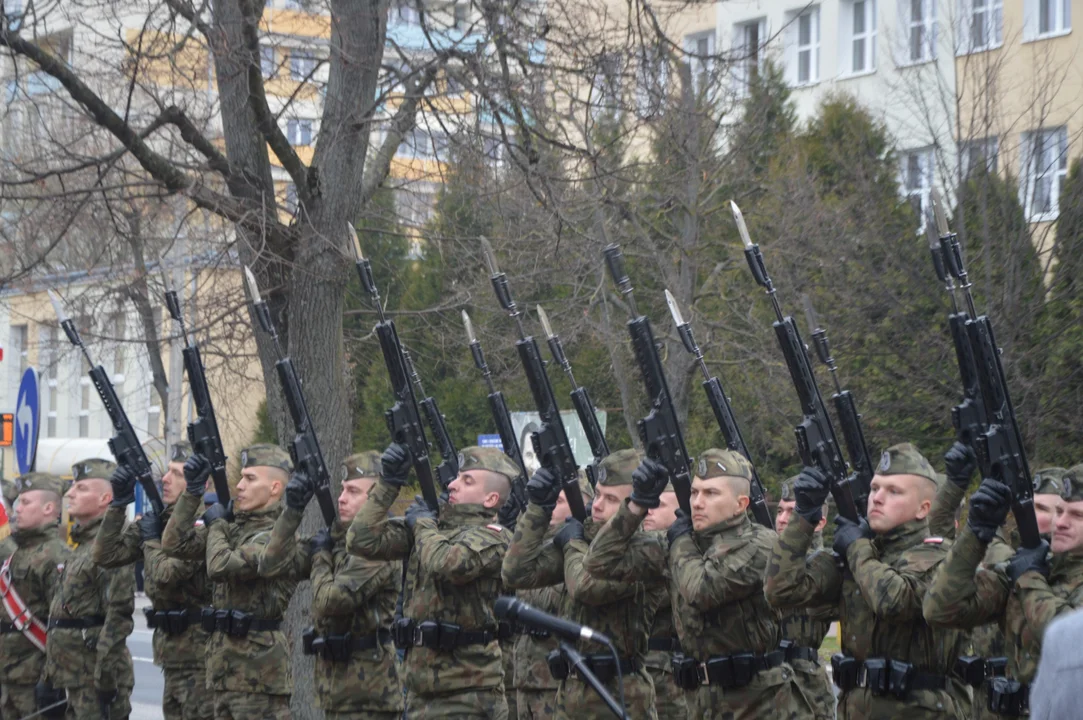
x=750 y=61
x=700 y=64
x=990 y=147
x=796 y=48
x=1032 y=176
x=929 y=32
x=927 y=177
x=849 y=37
x=300 y=59
x=992 y=24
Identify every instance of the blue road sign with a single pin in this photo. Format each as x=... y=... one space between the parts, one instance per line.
x=27 y=411
x=490 y=441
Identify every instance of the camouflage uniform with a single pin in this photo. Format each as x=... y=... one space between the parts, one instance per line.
x=879 y=603
x=35 y=568
x=622 y=610
x=171 y=585
x=351 y=596
x=452 y=576
x=669 y=700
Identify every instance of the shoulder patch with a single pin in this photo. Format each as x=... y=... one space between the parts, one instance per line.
x=496 y=528
x=60 y=567
x=933 y=540
x=198 y=522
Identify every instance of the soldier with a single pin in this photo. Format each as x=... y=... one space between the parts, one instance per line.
x=453 y=665
x=804 y=629
x=892 y=663
x=730 y=664
x=29 y=580
x=624 y=611
x=353 y=600
x=248 y=656
x=90 y=617
x=178 y=589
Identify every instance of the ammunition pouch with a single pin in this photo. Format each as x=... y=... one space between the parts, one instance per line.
x=844 y=671
x=793 y=651
x=436 y=635
x=664 y=644
x=1009 y=698
x=46 y=696
x=171 y=622
x=974 y=671
x=506 y=630
x=235 y=623
x=602 y=666
x=83 y=623
x=883 y=676
x=729 y=672
x=558 y=666
x=339 y=648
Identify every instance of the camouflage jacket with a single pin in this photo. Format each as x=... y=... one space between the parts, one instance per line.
x=808 y=626
x=531 y=668
x=170 y=584
x=7 y=547
x=97 y=656
x=184 y=536
x=350 y=595
x=35 y=570
x=453 y=576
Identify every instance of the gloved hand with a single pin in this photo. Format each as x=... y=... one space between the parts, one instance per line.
x=320 y=541
x=648 y=482
x=123 y=483
x=105 y=701
x=1025 y=560
x=396 y=464
x=572 y=530
x=45 y=696
x=543 y=489
x=150 y=526
x=196 y=471
x=810 y=491
x=960 y=463
x=847 y=531
x=299 y=490
x=418 y=511
x=681 y=526
x=216 y=512
x=989 y=507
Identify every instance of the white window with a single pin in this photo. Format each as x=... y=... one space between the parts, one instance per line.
x=420 y=143
x=917 y=24
x=804 y=46
x=605 y=94
x=291 y=198
x=299 y=132
x=652 y=81
x=857 y=53
x=982 y=25
x=1044 y=18
x=302 y=63
x=700 y=50
x=406 y=13
x=52 y=374
x=917 y=180
x=1045 y=158
x=267 y=60
x=748 y=46
x=977 y=154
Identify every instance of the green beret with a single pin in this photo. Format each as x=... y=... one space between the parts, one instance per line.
x=266 y=455
x=1072 y=484
x=180 y=452
x=39 y=481
x=92 y=468
x=723 y=463
x=1047 y=481
x=616 y=468
x=488 y=458
x=904 y=459
x=362 y=465
x=585 y=488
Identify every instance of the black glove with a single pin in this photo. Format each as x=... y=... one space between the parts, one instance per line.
x=45 y=695
x=681 y=526
x=810 y=491
x=572 y=530
x=320 y=541
x=1025 y=560
x=123 y=483
x=416 y=512
x=847 y=531
x=648 y=482
x=218 y=511
x=299 y=491
x=105 y=701
x=396 y=464
x=196 y=471
x=960 y=463
x=543 y=489
x=150 y=526
x=989 y=507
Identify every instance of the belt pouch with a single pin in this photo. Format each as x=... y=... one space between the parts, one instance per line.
x=876 y=675
x=899 y=676
x=427 y=634
x=971 y=670
x=558 y=666
x=844 y=670
x=152 y=617
x=720 y=672
x=449 y=636
x=402 y=633
x=221 y=621
x=996 y=667
x=177 y=621
x=338 y=647
x=685 y=672
x=744 y=669
x=241 y=623
x=208 y=619
x=603 y=668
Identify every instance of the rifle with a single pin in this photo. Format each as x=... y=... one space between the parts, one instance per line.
x=816 y=440
x=448 y=469
x=203 y=431
x=305 y=447
x=659 y=431
x=999 y=445
x=584 y=406
x=723 y=413
x=502 y=418
x=846 y=410
x=403 y=420
x=124 y=444
x=551 y=441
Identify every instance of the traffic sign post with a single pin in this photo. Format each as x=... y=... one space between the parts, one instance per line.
x=27 y=416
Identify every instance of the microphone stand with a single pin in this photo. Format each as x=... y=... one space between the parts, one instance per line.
x=575 y=660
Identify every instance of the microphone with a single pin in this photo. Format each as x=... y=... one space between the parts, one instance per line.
x=509 y=608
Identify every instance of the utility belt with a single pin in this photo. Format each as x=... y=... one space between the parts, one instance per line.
x=76 y=623
x=664 y=644
x=883 y=676
x=436 y=635
x=1007 y=697
x=172 y=622
x=974 y=670
x=235 y=623
x=339 y=648
x=794 y=651
x=507 y=629
x=602 y=666
x=728 y=672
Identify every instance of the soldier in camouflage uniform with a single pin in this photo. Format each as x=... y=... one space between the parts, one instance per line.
x=453 y=666
x=248 y=655
x=892 y=664
x=34 y=573
x=624 y=611
x=90 y=617
x=730 y=664
x=178 y=589
x=353 y=599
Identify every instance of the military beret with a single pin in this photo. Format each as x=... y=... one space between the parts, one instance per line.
x=266 y=455
x=585 y=488
x=488 y=458
x=362 y=465
x=616 y=468
x=92 y=468
x=1072 y=484
x=722 y=463
x=904 y=459
x=39 y=481
x=1047 y=481
x=180 y=452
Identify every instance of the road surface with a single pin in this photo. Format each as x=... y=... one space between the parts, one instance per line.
x=147 y=696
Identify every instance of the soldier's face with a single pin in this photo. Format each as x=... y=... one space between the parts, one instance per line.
x=173 y=483
x=1046 y=506
x=607 y=500
x=661 y=517
x=561 y=512
x=897 y=499
x=474 y=487
x=785 y=512
x=89 y=498
x=1068 y=533
x=260 y=487
x=714 y=501
x=355 y=493
x=35 y=508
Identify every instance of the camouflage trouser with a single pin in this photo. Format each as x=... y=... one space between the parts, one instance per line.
x=668 y=698
x=480 y=704
x=83 y=704
x=819 y=693
x=861 y=704
x=362 y=715
x=534 y=704
x=185 y=695
x=576 y=700
x=231 y=705
x=771 y=694
x=17 y=701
